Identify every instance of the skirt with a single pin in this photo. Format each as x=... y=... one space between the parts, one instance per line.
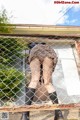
x=41 y=51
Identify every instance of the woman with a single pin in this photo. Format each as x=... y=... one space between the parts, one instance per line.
x=43 y=57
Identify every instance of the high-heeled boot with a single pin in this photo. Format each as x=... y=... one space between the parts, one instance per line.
x=58 y=113
x=28 y=100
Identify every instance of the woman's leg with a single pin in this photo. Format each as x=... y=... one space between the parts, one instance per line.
x=30 y=90
x=48 y=66
x=47 y=74
x=35 y=73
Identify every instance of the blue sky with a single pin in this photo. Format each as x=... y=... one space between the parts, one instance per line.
x=73 y=17
x=42 y=12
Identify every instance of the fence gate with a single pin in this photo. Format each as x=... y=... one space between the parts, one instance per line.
x=15 y=76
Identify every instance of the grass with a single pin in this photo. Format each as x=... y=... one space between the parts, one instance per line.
x=47 y=31
x=53 y=30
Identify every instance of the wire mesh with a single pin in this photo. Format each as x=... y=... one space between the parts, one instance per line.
x=15 y=73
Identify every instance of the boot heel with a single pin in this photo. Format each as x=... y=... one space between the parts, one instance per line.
x=58 y=113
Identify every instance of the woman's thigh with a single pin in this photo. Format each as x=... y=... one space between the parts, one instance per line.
x=47 y=70
x=47 y=74
x=35 y=72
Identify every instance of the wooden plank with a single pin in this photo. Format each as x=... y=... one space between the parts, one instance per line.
x=56 y=36
x=14 y=109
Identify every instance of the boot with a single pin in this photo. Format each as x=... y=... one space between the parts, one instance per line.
x=28 y=100
x=58 y=113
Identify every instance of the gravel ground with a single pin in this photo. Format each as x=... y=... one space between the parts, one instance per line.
x=48 y=115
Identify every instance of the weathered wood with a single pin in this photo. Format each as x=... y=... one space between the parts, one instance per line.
x=15 y=109
x=51 y=36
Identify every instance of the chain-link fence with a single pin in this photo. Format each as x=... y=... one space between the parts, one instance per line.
x=15 y=75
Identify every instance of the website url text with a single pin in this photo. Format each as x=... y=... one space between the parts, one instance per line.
x=66 y=2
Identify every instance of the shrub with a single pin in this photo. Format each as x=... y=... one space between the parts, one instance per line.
x=4 y=21
x=10 y=81
x=10 y=49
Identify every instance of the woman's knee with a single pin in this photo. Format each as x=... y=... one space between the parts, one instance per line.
x=47 y=79
x=33 y=84
x=50 y=88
